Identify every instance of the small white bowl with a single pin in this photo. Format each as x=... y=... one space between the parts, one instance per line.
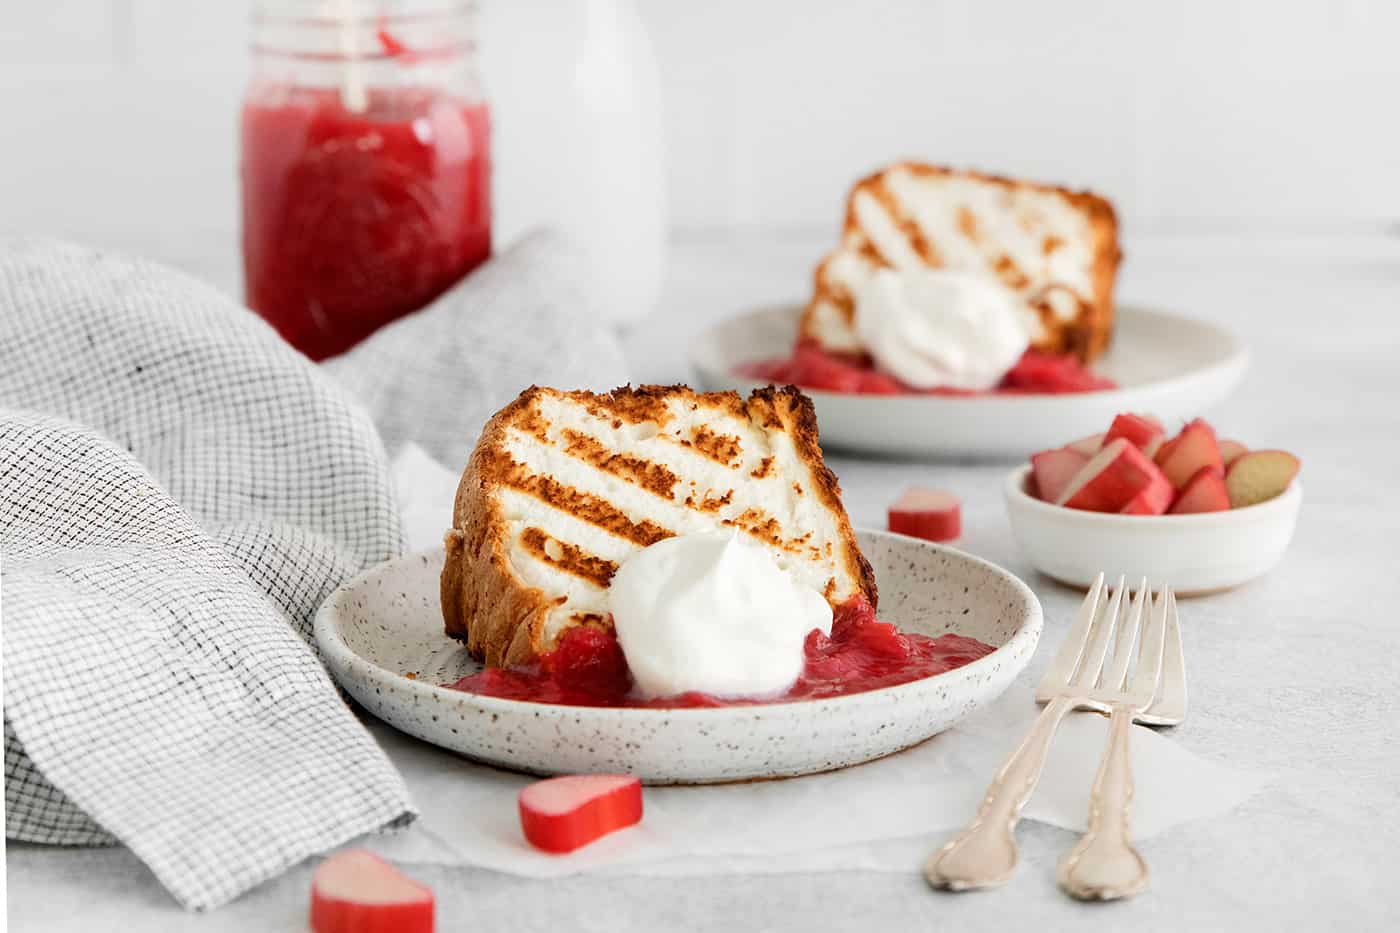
x=1193 y=554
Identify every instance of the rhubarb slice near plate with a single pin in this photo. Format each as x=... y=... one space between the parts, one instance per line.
x=565 y=813
x=358 y=892
x=931 y=514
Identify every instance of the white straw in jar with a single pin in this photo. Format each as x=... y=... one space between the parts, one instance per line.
x=352 y=81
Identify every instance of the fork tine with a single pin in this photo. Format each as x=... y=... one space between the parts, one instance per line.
x=1146 y=676
x=1170 y=704
x=1058 y=674
x=1100 y=639
x=1128 y=640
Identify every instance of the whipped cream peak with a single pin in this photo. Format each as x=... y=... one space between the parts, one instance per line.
x=713 y=613
x=936 y=328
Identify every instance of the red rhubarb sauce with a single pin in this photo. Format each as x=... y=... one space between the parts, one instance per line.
x=811 y=367
x=863 y=653
x=354 y=218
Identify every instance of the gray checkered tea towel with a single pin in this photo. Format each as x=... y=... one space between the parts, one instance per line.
x=179 y=491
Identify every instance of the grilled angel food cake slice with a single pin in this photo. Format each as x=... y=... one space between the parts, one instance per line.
x=1056 y=249
x=565 y=486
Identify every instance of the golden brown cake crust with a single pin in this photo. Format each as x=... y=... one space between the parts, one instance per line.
x=1087 y=336
x=487 y=605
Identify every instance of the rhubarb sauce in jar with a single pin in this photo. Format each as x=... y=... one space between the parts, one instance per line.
x=365 y=163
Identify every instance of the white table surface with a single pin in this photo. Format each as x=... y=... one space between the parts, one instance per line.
x=1297 y=675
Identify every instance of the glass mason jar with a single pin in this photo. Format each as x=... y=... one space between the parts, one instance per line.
x=365 y=164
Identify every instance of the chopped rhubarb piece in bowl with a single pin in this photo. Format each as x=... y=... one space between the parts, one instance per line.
x=1113 y=477
x=1143 y=431
x=1204 y=492
x=1054 y=469
x=1195 y=447
x=1088 y=446
x=1259 y=476
x=1230 y=451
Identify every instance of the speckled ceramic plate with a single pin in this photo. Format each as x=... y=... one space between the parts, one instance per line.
x=1168 y=364
x=382 y=638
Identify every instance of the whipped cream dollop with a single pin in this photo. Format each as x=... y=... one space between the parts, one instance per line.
x=712 y=613
x=933 y=328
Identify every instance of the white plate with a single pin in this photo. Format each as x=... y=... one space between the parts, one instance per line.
x=1165 y=364
x=388 y=623
x=1193 y=554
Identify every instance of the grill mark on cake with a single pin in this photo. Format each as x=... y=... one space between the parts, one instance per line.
x=844 y=302
x=581 y=505
x=634 y=406
x=724 y=449
x=834 y=293
x=1050 y=244
x=967 y=223
x=709 y=503
x=1046 y=309
x=533 y=422
x=1045 y=314
x=652 y=477
x=906 y=224
x=568 y=557
x=767 y=417
x=1010 y=273
x=592 y=620
x=765 y=466
x=762 y=526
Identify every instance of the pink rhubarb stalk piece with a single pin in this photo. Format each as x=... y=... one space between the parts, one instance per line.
x=1204 y=492
x=564 y=813
x=358 y=892
x=1054 y=469
x=1260 y=475
x=1112 y=478
x=931 y=514
x=1195 y=447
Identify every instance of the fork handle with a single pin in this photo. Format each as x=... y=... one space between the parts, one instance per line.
x=984 y=854
x=1104 y=866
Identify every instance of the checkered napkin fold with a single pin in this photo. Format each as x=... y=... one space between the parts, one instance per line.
x=179 y=491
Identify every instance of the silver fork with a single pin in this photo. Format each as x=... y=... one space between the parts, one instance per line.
x=984 y=854
x=1104 y=865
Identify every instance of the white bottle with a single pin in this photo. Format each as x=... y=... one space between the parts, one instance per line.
x=576 y=137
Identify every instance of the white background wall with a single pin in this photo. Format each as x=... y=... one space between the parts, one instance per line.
x=118 y=118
